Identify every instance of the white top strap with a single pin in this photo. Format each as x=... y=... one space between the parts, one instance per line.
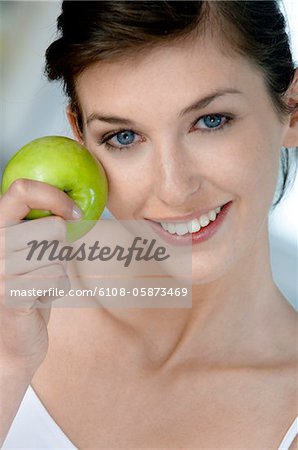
x=289 y=436
x=33 y=427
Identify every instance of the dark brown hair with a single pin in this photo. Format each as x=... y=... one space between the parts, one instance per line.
x=92 y=31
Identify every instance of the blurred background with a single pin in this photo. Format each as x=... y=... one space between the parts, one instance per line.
x=32 y=107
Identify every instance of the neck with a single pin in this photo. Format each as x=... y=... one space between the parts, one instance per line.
x=223 y=315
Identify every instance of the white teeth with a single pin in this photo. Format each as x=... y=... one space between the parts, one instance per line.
x=171 y=228
x=181 y=228
x=204 y=221
x=191 y=226
x=212 y=215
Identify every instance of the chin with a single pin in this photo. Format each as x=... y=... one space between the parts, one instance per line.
x=206 y=270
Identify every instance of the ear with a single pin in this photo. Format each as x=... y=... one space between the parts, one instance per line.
x=291 y=137
x=73 y=122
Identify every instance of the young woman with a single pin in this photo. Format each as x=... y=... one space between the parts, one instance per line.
x=189 y=107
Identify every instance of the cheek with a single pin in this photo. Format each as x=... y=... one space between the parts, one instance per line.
x=250 y=175
x=247 y=165
x=129 y=184
x=260 y=172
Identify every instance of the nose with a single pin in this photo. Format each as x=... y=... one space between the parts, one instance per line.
x=176 y=176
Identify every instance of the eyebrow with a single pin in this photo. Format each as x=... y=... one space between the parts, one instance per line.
x=109 y=119
x=205 y=101
x=198 y=104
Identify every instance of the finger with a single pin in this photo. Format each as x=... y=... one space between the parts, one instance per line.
x=61 y=290
x=24 y=195
x=23 y=290
x=25 y=261
x=16 y=237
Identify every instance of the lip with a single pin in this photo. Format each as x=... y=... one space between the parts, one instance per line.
x=186 y=218
x=202 y=235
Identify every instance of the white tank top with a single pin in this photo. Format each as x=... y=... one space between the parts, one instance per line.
x=34 y=428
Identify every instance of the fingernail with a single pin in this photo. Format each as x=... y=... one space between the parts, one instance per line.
x=76 y=212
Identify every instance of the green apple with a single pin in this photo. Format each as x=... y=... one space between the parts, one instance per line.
x=67 y=165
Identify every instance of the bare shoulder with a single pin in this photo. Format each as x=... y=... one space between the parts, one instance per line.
x=282 y=370
x=283 y=348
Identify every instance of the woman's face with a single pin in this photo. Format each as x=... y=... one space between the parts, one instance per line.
x=185 y=129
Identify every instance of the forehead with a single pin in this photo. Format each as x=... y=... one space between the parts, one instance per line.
x=166 y=73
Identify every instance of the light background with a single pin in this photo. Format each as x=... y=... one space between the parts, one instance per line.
x=32 y=107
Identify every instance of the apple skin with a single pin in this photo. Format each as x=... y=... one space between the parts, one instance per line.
x=67 y=165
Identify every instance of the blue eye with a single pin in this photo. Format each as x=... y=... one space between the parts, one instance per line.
x=124 y=137
x=213 y=122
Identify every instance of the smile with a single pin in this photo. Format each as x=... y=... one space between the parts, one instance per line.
x=194 y=231
x=192 y=226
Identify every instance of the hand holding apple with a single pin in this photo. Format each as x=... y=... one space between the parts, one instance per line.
x=67 y=165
